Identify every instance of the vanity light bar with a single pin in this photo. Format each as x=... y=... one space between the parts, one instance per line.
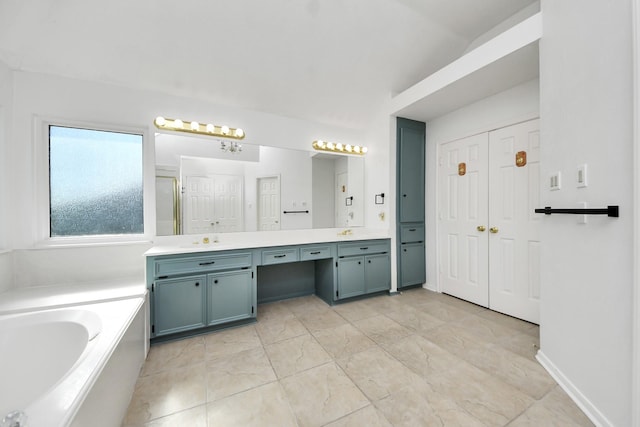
x=198 y=128
x=339 y=147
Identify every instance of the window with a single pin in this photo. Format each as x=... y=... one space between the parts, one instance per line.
x=95 y=182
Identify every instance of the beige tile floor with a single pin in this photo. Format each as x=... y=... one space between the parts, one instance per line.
x=415 y=359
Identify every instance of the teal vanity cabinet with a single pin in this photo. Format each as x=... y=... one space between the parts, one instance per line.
x=192 y=291
x=410 y=170
x=179 y=304
x=364 y=267
x=230 y=297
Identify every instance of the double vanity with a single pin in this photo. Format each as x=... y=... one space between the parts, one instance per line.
x=201 y=286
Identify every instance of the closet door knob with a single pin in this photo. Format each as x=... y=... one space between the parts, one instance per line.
x=481 y=228
x=493 y=230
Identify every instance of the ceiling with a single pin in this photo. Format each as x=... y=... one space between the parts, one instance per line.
x=330 y=61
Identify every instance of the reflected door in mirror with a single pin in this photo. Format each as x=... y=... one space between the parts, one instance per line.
x=213 y=204
x=269 y=203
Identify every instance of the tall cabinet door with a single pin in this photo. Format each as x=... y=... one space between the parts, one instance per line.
x=514 y=244
x=411 y=171
x=463 y=218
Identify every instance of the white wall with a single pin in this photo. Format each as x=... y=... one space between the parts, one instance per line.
x=6 y=107
x=586 y=270
x=50 y=97
x=511 y=106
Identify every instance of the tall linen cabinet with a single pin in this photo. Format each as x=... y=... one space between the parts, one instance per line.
x=410 y=179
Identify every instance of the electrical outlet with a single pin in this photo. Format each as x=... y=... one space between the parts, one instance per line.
x=555 y=181
x=581 y=176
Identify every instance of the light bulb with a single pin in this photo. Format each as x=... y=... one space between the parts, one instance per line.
x=365 y=149
x=160 y=121
x=339 y=146
x=210 y=128
x=356 y=149
x=177 y=123
x=195 y=125
x=348 y=148
x=330 y=145
x=225 y=130
x=239 y=133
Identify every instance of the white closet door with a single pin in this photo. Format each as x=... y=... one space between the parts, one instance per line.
x=228 y=204
x=463 y=212
x=198 y=204
x=514 y=243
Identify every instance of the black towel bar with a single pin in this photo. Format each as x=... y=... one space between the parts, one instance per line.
x=291 y=212
x=610 y=211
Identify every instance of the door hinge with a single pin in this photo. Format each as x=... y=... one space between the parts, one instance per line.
x=153 y=329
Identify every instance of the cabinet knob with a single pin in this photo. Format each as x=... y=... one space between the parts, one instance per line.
x=405 y=250
x=215 y=281
x=197 y=283
x=404 y=195
x=359 y=262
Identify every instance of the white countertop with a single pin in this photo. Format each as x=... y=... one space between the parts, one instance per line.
x=171 y=245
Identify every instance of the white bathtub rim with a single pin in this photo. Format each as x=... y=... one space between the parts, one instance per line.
x=52 y=409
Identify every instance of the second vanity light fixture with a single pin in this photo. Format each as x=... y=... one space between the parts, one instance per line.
x=338 y=147
x=198 y=128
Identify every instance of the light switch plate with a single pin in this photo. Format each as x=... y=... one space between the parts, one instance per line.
x=555 y=181
x=581 y=176
x=582 y=219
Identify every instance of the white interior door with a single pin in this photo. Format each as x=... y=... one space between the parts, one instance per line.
x=498 y=266
x=269 y=203
x=198 y=204
x=514 y=241
x=463 y=214
x=213 y=204
x=228 y=206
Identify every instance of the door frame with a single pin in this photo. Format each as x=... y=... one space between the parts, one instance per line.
x=635 y=327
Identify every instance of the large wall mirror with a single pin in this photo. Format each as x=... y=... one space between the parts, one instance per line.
x=209 y=186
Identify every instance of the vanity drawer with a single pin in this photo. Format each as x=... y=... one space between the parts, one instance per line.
x=279 y=256
x=183 y=265
x=315 y=252
x=364 y=247
x=412 y=233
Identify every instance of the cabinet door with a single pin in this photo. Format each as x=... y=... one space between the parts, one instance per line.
x=412 y=264
x=229 y=296
x=410 y=145
x=377 y=273
x=350 y=277
x=179 y=304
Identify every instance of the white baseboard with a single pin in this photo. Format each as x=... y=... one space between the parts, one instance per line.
x=576 y=395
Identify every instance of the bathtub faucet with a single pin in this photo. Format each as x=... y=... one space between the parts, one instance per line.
x=14 y=419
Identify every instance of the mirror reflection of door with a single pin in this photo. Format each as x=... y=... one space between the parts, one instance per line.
x=341 y=194
x=268 y=203
x=213 y=203
x=166 y=206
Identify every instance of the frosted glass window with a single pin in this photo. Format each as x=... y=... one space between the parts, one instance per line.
x=95 y=182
